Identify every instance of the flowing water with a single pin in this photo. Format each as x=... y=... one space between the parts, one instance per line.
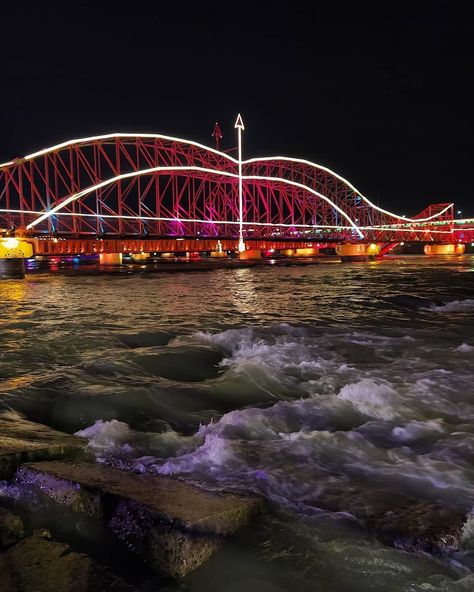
x=284 y=381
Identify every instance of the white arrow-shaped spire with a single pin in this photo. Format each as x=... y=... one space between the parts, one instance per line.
x=239 y=123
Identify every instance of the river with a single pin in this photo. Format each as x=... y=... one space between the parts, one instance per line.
x=271 y=380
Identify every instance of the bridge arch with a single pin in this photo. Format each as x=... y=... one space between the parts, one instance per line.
x=162 y=185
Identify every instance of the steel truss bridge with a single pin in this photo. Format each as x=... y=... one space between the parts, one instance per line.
x=140 y=187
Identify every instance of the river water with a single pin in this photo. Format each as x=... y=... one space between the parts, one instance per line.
x=277 y=380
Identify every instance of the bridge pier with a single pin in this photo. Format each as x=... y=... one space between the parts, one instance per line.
x=140 y=257
x=357 y=252
x=13 y=253
x=110 y=258
x=250 y=254
x=12 y=269
x=445 y=249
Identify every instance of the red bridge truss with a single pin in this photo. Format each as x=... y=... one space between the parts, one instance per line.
x=155 y=186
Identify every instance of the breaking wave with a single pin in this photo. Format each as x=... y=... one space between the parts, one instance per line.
x=455 y=306
x=382 y=411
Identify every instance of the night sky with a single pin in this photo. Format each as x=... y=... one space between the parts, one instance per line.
x=382 y=93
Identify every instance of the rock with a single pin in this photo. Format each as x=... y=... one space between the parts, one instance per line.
x=421 y=526
x=42 y=533
x=11 y=528
x=38 y=565
x=22 y=440
x=173 y=525
x=145 y=339
x=396 y=520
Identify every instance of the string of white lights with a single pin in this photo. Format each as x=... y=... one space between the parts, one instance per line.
x=92 y=188
x=88 y=140
x=349 y=184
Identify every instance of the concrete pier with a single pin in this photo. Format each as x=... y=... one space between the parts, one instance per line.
x=250 y=254
x=110 y=258
x=12 y=269
x=357 y=252
x=445 y=249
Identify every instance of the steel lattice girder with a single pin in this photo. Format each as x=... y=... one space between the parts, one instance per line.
x=288 y=199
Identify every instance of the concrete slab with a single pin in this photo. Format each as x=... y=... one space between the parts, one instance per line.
x=173 y=525
x=44 y=566
x=22 y=440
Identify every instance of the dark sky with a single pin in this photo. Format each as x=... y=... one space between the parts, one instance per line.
x=382 y=93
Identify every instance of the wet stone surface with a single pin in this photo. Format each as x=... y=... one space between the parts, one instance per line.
x=396 y=520
x=174 y=526
x=22 y=440
x=11 y=528
x=39 y=565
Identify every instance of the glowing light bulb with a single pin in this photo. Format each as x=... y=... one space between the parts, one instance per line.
x=11 y=243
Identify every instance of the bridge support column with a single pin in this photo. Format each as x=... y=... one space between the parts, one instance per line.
x=306 y=252
x=250 y=254
x=13 y=252
x=357 y=252
x=140 y=257
x=110 y=258
x=12 y=269
x=446 y=249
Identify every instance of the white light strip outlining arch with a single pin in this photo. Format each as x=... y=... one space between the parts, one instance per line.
x=119 y=135
x=84 y=192
x=113 y=136
x=348 y=183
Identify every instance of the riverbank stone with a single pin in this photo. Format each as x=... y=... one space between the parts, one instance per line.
x=38 y=565
x=11 y=529
x=396 y=520
x=22 y=441
x=424 y=526
x=174 y=526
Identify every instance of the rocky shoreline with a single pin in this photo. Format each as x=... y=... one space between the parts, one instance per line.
x=168 y=525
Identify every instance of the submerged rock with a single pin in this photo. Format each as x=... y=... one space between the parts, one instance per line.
x=396 y=520
x=172 y=525
x=43 y=566
x=414 y=302
x=421 y=526
x=145 y=339
x=11 y=529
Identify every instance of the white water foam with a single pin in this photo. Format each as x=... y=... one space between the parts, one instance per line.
x=346 y=412
x=372 y=398
x=465 y=348
x=105 y=436
x=455 y=306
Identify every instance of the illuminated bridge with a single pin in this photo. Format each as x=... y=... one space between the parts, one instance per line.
x=146 y=192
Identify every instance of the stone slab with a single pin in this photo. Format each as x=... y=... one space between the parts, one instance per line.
x=395 y=519
x=11 y=528
x=173 y=525
x=22 y=441
x=38 y=565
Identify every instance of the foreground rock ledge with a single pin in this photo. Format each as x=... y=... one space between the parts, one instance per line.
x=11 y=528
x=22 y=440
x=35 y=564
x=173 y=526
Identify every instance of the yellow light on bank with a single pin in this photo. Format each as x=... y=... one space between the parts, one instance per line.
x=13 y=248
x=373 y=249
x=10 y=243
